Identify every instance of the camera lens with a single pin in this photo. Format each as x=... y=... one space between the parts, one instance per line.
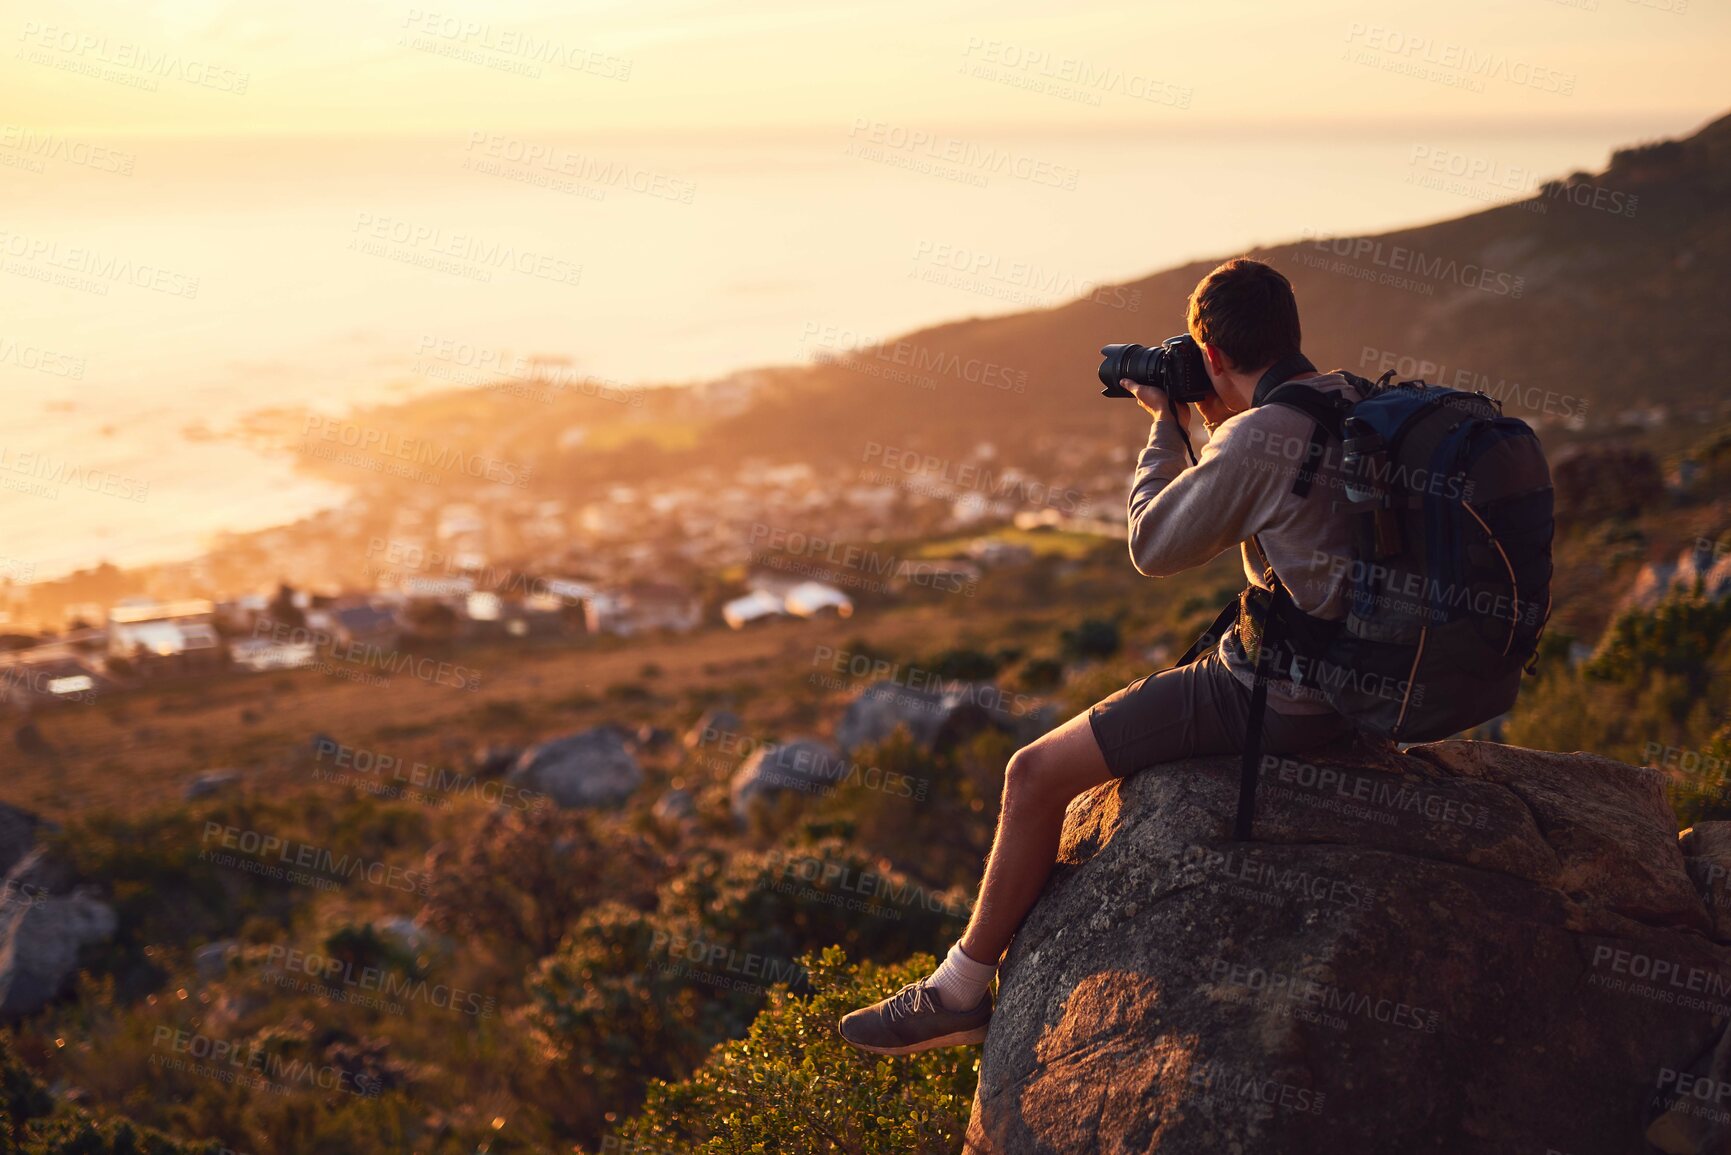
x=1138 y=363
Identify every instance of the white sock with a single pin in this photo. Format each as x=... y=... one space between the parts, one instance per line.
x=960 y=981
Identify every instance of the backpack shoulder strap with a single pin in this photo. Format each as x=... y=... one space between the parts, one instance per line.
x=1326 y=409
x=1328 y=413
x=1250 y=761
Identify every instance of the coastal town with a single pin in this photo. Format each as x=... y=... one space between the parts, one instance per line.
x=402 y=570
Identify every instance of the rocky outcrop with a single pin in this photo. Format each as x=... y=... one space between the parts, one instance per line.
x=939 y=717
x=590 y=768
x=1465 y=948
x=803 y=766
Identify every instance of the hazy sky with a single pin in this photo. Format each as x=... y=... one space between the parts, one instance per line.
x=223 y=66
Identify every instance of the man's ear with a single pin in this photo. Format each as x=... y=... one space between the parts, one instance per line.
x=1218 y=365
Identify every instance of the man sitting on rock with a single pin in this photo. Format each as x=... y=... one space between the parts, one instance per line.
x=1244 y=316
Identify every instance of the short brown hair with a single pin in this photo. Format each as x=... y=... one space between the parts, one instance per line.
x=1245 y=309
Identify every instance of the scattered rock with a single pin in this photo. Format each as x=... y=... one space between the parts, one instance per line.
x=649 y=739
x=714 y=726
x=211 y=959
x=1467 y=948
x=494 y=759
x=367 y=1064
x=938 y=718
x=40 y=872
x=17 y=835
x=803 y=765
x=675 y=808
x=39 y=946
x=589 y=768
x=209 y=783
x=232 y=1005
x=30 y=741
x=411 y=936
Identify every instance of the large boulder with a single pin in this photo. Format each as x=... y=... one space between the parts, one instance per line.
x=938 y=717
x=589 y=768
x=1464 y=948
x=40 y=939
x=803 y=766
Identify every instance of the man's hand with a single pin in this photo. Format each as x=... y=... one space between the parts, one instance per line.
x=1157 y=404
x=1213 y=410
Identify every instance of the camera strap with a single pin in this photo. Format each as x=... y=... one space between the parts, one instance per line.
x=1184 y=436
x=1280 y=373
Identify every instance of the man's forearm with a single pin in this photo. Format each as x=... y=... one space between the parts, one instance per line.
x=1182 y=517
x=1161 y=460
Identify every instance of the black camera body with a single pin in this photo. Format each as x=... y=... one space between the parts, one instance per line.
x=1175 y=365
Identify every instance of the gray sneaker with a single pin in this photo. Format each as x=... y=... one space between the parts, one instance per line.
x=914 y=1019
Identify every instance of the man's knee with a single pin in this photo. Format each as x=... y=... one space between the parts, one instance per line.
x=1034 y=777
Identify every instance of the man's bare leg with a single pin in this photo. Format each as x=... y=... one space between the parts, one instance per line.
x=1039 y=783
x=952 y=1006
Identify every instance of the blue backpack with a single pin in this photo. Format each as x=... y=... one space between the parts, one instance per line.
x=1449 y=572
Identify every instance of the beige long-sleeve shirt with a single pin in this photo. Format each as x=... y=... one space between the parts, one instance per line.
x=1241 y=486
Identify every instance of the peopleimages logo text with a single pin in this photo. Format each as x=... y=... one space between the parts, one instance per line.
x=293 y=853
x=1401 y=259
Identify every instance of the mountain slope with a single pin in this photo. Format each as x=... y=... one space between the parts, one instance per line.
x=1604 y=289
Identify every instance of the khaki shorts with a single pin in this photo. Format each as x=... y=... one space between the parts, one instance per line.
x=1196 y=709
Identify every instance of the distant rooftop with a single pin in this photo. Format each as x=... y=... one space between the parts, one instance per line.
x=160 y=611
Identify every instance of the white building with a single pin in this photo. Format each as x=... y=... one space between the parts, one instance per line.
x=810 y=599
x=756 y=606
x=165 y=637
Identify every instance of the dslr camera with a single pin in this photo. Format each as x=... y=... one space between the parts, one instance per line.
x=1175 y=365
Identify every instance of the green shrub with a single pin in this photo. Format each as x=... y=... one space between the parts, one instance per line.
x=32 y=1123
x=615 y=1006
x=932 y=812
x=166 y=889
x=1092 y=638
x=1041 y=674
x=517 y=883
x=632 y=995
x=965 y=665
x=792 y=1086
x=1678 y=638
x=807 y=895
x=1703 y=793
x=1658 y=681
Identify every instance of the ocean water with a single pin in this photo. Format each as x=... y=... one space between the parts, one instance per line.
x=155 y=291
